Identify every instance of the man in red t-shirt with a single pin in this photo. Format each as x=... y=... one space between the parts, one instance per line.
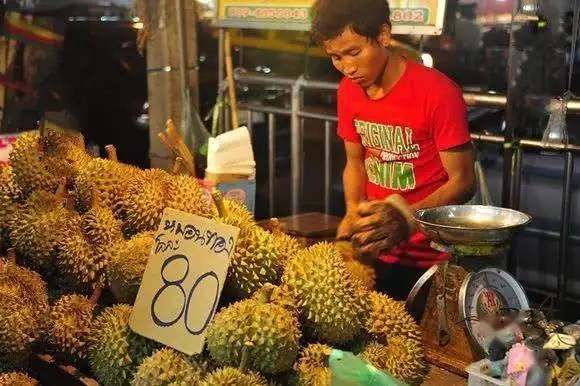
x=405 y=132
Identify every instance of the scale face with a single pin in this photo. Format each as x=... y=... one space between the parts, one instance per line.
x=485 y=294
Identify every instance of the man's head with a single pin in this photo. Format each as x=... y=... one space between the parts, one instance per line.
x=354 y=33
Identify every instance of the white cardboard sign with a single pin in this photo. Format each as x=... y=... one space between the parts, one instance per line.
x=183 y=280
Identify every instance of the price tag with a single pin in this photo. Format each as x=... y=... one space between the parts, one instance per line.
x=183 y=280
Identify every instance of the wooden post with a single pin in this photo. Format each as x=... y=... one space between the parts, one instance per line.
x=164 y=78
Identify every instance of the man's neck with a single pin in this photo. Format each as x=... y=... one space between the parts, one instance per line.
x=395 y=66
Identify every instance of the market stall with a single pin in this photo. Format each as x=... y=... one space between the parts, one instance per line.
x=116 y=275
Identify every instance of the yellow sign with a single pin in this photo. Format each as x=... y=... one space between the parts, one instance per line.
x=423 y=17
x=183 y=280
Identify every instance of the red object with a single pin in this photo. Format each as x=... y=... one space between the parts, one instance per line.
x=403 y=133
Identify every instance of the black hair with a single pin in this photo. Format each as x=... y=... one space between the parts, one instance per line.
x=365 y=17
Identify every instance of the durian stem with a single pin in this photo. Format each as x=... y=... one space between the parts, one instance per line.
x=182 y=149
x=276 y=226
x=94 y=299
x=219 y=203
x=265 y=294
x=245 y=357
x=42 y=128
x=112 y=153
x=94 y=199
x=165 y=139
x=177 y=165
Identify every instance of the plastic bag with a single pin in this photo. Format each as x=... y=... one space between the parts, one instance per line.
x=350 y=370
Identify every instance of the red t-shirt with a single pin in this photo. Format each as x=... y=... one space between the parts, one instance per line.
x=403 y=133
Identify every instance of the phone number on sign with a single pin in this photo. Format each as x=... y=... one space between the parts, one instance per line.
x=275 y=13
x=410 y=15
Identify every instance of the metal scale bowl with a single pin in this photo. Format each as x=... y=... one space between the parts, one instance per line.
x=456 y=302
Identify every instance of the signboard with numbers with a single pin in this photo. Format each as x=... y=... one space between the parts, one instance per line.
x=419 y=17
x=183 y=280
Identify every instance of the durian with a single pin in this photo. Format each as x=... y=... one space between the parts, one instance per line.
x=40 y=164
x=239 y=212
x=103 y=181
x=29 y=288
x=10 y=196
x=29 y=172
x=38 y=227
x=70 y=325
x=115 y=351
x=230 y=376
x=85 y=249
x=152 y=191
x=312 y=367
x=167 y=367
x=346 y=249
x=254 y=262
x=331 y=302
x=17 y=379
x=26 y=285
x=401 y=357
x=19 y=329
x=389 y=318
x=365 y=274
x=268 y=332
x=127 y=265
x=286 y=246
x=101 y=227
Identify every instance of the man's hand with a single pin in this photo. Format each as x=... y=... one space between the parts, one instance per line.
x=382 y=225
x=345 y=228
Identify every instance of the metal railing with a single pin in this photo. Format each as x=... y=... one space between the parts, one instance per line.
x=297 y=113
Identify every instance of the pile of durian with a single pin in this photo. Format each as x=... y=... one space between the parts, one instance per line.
x=77 y=232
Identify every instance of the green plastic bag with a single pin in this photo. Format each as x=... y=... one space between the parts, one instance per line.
x=350 y=370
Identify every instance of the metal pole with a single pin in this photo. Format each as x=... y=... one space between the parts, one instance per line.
x=565 y=228
x=516 y=178
x=296 y=144
x=180 y=8
x=250 y=123
x=327 y=165
x=271 y=161
x=223 y=125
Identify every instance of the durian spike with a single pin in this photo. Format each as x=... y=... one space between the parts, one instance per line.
x=218 y=198
x=112 y=153
x=98 y=291
x=177 y=165
x=245 y=356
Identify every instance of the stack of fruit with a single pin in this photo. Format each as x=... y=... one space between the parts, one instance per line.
x=81 y=229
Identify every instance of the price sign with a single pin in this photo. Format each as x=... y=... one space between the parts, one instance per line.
x=183 y=280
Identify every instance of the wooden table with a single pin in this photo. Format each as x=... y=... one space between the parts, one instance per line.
x=440 y=377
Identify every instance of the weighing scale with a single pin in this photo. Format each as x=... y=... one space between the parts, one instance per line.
x=457 y=303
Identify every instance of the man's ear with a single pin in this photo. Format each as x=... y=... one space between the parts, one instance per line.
x=385 y=35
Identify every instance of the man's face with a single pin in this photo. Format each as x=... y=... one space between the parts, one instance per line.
x=360 y=59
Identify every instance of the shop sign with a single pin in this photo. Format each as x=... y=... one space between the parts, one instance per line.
x=420 y=17
x=183 y=280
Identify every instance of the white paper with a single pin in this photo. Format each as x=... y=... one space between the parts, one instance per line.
x=231 y=153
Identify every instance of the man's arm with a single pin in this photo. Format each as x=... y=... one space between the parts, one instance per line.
x=382 y=226
x=459 y=165
x=354 y=178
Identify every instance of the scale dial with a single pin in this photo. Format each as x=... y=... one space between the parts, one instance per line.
x=483 y=295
